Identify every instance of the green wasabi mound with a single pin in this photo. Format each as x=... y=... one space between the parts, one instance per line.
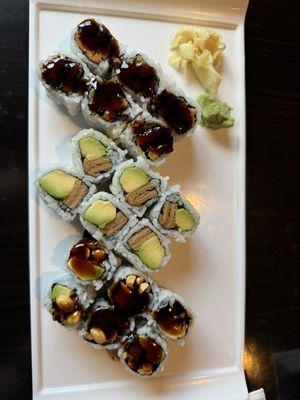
x=215 y=114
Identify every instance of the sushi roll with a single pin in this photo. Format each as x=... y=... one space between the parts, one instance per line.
x=64 y=191
x=144 y=353
x=132 y=292
x=171 y=105
x=65 y=79
x=107 y=107
x=95 y=155
x=139 y=76
x=174 y=215
x=137 y=185
x=148 y=137
x=171 y=316
x=91 y=263
x=67 y=301
x=104 y=327
x=145 y=247
x=106 y=218
x=95 y=45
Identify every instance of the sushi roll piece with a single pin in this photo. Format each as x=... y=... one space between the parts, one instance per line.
x=171 y=316
x=139 y=76
x=174 y=215
x=95 y=45
x=95 y=155
x=144 y=353
x=106 y=218
x=145 y=247
x=104 y=327
x=180 y=113
x=65 y=79
x=135 y=184
x=148 y=137
x=67 y=301
x=91 y=263
x=107 y=107
x=132 y=292
x=64 y=191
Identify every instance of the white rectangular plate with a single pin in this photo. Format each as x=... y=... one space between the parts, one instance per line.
x=208 y=271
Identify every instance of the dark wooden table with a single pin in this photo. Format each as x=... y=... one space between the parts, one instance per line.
x=273 y=146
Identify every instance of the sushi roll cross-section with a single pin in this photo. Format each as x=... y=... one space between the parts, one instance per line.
x=64 y=191
x=172 y=317
x=93 y=42
x=66 y=308
x=148 y=137
x=91 y=262
x=145 y=247
x=65 y=79
x=64 y=74
x=105 y=327
x=131 y=292
x=104 y=217
x=174 y=215
x=144 y=353
x=175 y=111
x=138 y=186
x=137 y=76
x=95 y=155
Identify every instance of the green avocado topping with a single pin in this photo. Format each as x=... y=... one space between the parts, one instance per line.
x=215 y=114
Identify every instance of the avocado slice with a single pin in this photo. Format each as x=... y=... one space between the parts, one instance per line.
x=184 y=220
x=58 y=184
x=60 y=290
x=85 y=269
x=151 y=252
x=101 y=213
x=133 y=178
x=91 y=148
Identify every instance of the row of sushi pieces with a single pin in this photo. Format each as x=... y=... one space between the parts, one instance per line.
x=131 y=317
x=125 y=95
x=128 y=207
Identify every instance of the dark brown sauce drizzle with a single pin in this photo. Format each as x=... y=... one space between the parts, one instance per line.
x=154 y=139
x=84 y=254
x=63 y=73
x=128 y=300
x=177 y=113
x=110 y=322
x=108 y=100
x=97 y=39
x=173 y=320
x=141 y=352
x=58 y=314
x=138 y=76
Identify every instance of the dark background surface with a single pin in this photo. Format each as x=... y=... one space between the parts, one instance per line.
x=273 y=198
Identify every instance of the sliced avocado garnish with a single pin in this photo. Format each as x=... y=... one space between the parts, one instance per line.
x=100 y=213
x=91 y=148
x=184 y=220
x=58 y=184
x=60 y=290
x=151 y=252
x=133 y=178
x=85 y=269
